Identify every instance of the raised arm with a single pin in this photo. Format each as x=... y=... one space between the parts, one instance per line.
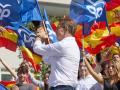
x=34 y=81
x=12 y=72
x=93 y=73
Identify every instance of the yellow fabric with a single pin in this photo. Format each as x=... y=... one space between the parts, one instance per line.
x=37 y=59
x=115 y=30
x=9 y=35
x=95 y=38
x=113 y=15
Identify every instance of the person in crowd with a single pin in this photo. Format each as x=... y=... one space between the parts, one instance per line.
x=63 y=56
x=29 y=78
x=22 y=84
x=112 y=82
x=116 y=57
x=42 y=84
x=104 y=68
x=85 y=80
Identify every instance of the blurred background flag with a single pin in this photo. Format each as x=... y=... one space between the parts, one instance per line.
x=7 y=84
x=82 y=11
x=17 y=12
x=51 y=33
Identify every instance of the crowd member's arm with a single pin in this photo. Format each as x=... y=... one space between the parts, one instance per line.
x=34 y=81
x=12 y=72
x=93 y=73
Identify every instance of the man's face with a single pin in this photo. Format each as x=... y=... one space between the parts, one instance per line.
x=42 y=31
x=116 y=57
x=60 y=33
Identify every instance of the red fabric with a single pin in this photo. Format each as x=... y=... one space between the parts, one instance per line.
x=106 y=41
x=4 y=42
x=112 y=4
x=7 y=83
x=54 y=27
x=29 y=59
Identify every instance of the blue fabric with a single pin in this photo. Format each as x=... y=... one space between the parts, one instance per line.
x=19 y=11
x=10 y=10
x=87 y=25
x=51 y=33
x=118 y=41
x=26 y=37
x=3 y=87
x=82 y=11
x=30 y=11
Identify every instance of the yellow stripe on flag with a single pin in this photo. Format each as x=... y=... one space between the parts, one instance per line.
x=113 y=16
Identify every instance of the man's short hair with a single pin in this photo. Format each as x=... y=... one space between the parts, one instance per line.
x=69 y=25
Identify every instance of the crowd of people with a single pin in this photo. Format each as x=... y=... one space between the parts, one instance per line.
x=67 y=70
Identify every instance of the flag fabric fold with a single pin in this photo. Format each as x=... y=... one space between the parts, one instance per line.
x=51 y=33
x=19 y=12
x=25 y=42
x=97 y=39
x=86 y=11
x=8 y=39
x=113 y=9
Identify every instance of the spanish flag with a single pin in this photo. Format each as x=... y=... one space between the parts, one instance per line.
x=25 y=42
x=31 y=57
x=98 y=39
x=113 y=11
x=8 y=39
x=8 y=84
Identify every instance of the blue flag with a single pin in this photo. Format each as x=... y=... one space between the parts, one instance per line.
x=26 y=37
x=82 y=11
x=3 y=87
x=51 y=33
x=10 y=11
x=30 y=11
x=18 y=12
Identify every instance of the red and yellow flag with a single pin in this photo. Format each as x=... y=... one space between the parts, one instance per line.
x=8 y=84
x=98 y=39
x=8 y=39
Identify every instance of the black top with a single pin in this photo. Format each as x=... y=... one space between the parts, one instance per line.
x=107 y=85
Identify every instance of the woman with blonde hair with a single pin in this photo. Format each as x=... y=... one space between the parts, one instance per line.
x=112 y=82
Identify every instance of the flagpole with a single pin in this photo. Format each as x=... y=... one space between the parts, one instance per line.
x=83 y=50
x=43 y=22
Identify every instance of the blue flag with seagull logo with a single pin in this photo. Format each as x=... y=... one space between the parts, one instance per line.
x=82 y=11
x=19 y=11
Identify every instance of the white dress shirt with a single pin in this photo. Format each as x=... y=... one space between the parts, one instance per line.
x=63 y=56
